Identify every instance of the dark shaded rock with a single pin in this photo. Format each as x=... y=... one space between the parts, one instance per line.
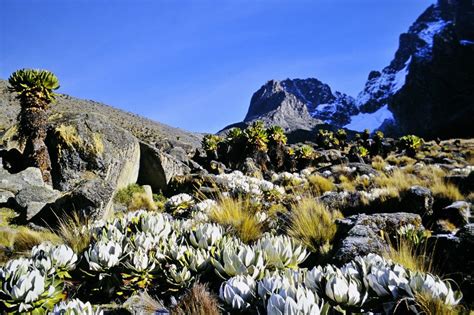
x=458 y=213
x=418 y=200
x=362 y=234
x=26 y=192
x=465 y=183
x=453 y=256
x=157 y=167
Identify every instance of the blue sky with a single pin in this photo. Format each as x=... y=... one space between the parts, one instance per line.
x=195 y=64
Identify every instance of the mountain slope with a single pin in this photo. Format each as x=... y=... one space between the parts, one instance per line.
x=144 y=129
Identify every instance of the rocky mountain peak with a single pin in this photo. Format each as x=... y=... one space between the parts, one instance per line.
x=429 y=78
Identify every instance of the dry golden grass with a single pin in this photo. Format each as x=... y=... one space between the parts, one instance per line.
x=345 y=183
x=409 y=256
x=198 y=301
x=318 y=185
x=22 y=239
x=444 y=190
x=72 y=230
x=313 y=224
x=397 y=181
x=238 y=215
x=140 y=200
x=97 y=147
x=400 y=160
x=378 y=163
x=429 y=305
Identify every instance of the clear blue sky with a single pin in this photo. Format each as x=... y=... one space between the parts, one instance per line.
x=195 y=64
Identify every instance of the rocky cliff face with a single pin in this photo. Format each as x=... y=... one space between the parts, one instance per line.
x=300 y=104
x=427 y=89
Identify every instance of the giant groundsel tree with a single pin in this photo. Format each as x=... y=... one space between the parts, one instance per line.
x=35 y=90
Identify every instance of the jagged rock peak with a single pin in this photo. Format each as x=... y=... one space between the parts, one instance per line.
x=309 y=98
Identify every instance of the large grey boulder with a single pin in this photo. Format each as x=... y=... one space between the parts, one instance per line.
x=362 y=234
x=84 y=146
x=26 y=192
x=157 y=167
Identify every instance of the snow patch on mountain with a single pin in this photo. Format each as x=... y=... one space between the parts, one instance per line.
x=400 y=76
x=466 y=42
x=370 y=121
x=431 y=29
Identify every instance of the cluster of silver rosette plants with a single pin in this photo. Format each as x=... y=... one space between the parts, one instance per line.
x=155 y=252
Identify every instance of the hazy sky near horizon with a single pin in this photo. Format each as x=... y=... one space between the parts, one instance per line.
x=195 y=64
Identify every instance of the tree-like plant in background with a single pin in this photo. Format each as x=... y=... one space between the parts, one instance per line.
x=277 y=142
x=34 y=89
x=411 y=144
x=210 y=144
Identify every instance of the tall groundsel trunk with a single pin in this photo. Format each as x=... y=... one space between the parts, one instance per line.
x=33 y=127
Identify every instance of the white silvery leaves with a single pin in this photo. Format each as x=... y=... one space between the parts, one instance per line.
x=205 y=235
x=75 y=307
x=295 y=300
x=272 y=282
x=238 y=292
x=156 y=224
x=313 y=278
x=238 y=259
x=178 y=277
x=236 y=183
x=50 y=258
x=281 y=252
x=435 y=287
x=178 y=204
x=344 y=289
x=140 y=261
x=103 y=255
x=387 y=281
x=25 y=288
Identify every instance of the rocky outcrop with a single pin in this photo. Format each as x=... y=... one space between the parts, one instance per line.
x=88 y=146
x=361 y=234
x=26 y=192
x=158 y=167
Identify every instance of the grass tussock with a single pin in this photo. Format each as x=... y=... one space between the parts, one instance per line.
x=313 y=224
x=22 y=239
x=238 y=215
x=318 y=185
x=398 y=180
x=143 y=303
x=430 y=305
x=134 y=198
x=198 y=301
x=71 y=230
x=345 y=183
x=409 y=255
x=400 y=160
x=448 y=191
x=142 y=201
x=379 y=163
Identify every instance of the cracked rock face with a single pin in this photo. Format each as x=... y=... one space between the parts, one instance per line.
x=362 y=234
x=26 y=191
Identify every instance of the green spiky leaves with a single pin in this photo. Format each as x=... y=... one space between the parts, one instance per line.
x=34 y=86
